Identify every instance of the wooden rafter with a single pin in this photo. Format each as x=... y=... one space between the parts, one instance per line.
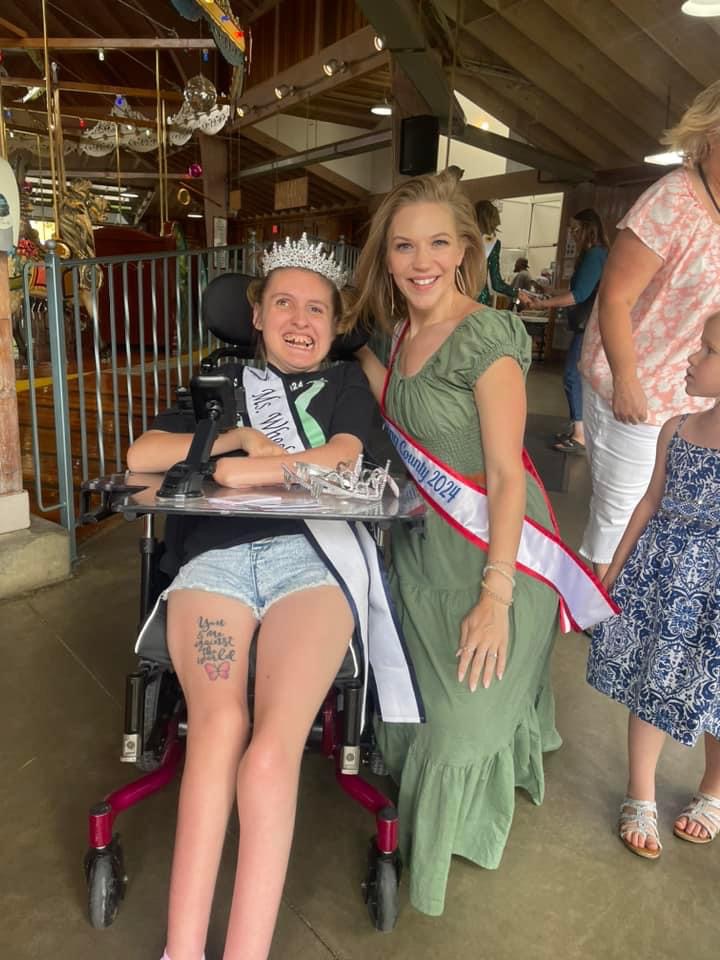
x=281 y=149
x=612 y=32
x=307 y=78
x=688 y=40
x=107 y=43
x=549 y=75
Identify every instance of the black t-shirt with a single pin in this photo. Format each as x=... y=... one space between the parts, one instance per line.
x=342 y=404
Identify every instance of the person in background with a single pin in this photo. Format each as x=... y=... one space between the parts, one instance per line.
x=591 y=242
x=660 y=657
x=661 y=279
x=522 y=279
x=488 y=218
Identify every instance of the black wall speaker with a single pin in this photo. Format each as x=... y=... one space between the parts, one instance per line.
x=419 y=137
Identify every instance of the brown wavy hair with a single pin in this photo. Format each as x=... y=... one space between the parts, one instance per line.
x=592 y=232
x=373 y=283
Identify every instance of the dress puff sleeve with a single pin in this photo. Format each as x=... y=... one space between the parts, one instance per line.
x=482 y=338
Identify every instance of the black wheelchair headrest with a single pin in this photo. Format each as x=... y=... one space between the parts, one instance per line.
x=227 y=313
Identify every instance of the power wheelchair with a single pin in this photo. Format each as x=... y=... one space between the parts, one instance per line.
x=155 y=720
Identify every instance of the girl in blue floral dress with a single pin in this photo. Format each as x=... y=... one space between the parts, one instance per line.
x=660 y=656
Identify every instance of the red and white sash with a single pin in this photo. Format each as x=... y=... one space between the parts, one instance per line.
x=463 y=504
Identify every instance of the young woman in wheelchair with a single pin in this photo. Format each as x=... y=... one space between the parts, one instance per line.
x=238 y=575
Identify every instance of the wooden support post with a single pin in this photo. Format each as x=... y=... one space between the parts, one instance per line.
x=216 y=175
x=14 y=510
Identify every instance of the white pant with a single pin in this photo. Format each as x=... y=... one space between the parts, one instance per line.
x=622 y=457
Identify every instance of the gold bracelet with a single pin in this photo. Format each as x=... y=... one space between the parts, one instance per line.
x=493 y=566
x=496 y=596
x=505 y=563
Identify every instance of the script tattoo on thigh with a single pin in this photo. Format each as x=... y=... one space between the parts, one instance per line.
x=215 y=648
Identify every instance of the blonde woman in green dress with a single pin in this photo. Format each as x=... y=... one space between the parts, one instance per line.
x=479 y=631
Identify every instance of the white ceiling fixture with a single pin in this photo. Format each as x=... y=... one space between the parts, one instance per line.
x=383 y=109
x=701 y=8
x=667 y=159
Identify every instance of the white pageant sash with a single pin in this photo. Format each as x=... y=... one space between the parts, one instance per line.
x=269 y=408
x=351 y=553
x=541 y=554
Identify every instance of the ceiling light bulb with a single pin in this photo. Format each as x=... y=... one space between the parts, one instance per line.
x=243 y=109
x=484 y=125
x=701 y=8
x=378 y=42
x=382 y=109
x=195 y=216
x=101 y=54
x=666 y=159
x=334 y=66
x=283 y=90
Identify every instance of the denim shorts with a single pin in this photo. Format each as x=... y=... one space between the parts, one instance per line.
x=257 y=574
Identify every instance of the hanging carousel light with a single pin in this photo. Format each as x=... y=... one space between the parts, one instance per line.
x=200 y=94
x=195 y=170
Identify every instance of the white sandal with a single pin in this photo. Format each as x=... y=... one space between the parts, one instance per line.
x=639 y=816
x=705 y=810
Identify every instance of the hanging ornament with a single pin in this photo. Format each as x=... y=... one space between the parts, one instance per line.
x=119 y=100
x=82 y=124
x=195 y=170
x=205 y=56
x=200 y=95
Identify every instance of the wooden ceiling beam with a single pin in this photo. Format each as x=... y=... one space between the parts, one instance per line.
x=630 y=48
x=520 y=122
x=140 y=93
x=586 y=64
x=550 y=76
x=551 y=114
x=280 y=149
x=92 y=44
x=686 y=39
x=307 y=77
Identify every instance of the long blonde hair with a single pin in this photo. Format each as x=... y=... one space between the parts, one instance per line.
x=698 y=126
x=374 y=293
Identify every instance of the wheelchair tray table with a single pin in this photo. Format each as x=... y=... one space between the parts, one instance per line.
x=136 y=497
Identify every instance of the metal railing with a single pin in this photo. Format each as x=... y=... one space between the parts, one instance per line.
x=123 y=332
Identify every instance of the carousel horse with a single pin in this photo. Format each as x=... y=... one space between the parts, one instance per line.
x=78 y=208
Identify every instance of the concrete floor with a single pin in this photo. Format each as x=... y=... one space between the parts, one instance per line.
x=566 y=888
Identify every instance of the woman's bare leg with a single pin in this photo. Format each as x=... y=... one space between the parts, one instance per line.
x=209 y=637
x=302 y=642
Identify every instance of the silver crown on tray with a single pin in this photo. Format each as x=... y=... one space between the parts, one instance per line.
x=305 y=255
x=347 y=481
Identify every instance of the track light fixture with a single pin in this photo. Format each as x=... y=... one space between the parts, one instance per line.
x=331 y=67
x=283 y=90
x=244 y=109
x=378 y=42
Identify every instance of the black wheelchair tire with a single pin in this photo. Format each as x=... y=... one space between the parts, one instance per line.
x=149 y=760
x=381 y=889
x=106 y=888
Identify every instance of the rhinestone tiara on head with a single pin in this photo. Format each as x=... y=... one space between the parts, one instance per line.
x=305 y=255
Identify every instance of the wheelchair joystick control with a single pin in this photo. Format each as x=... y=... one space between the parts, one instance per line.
x=214 y=403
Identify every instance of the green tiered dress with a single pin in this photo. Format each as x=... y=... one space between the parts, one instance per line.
x=458 y=772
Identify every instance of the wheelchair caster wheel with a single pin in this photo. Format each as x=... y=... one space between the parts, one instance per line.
x=106 y=882
x=380 y=888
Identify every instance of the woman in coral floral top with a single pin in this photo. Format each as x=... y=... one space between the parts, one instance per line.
x=661 y=282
